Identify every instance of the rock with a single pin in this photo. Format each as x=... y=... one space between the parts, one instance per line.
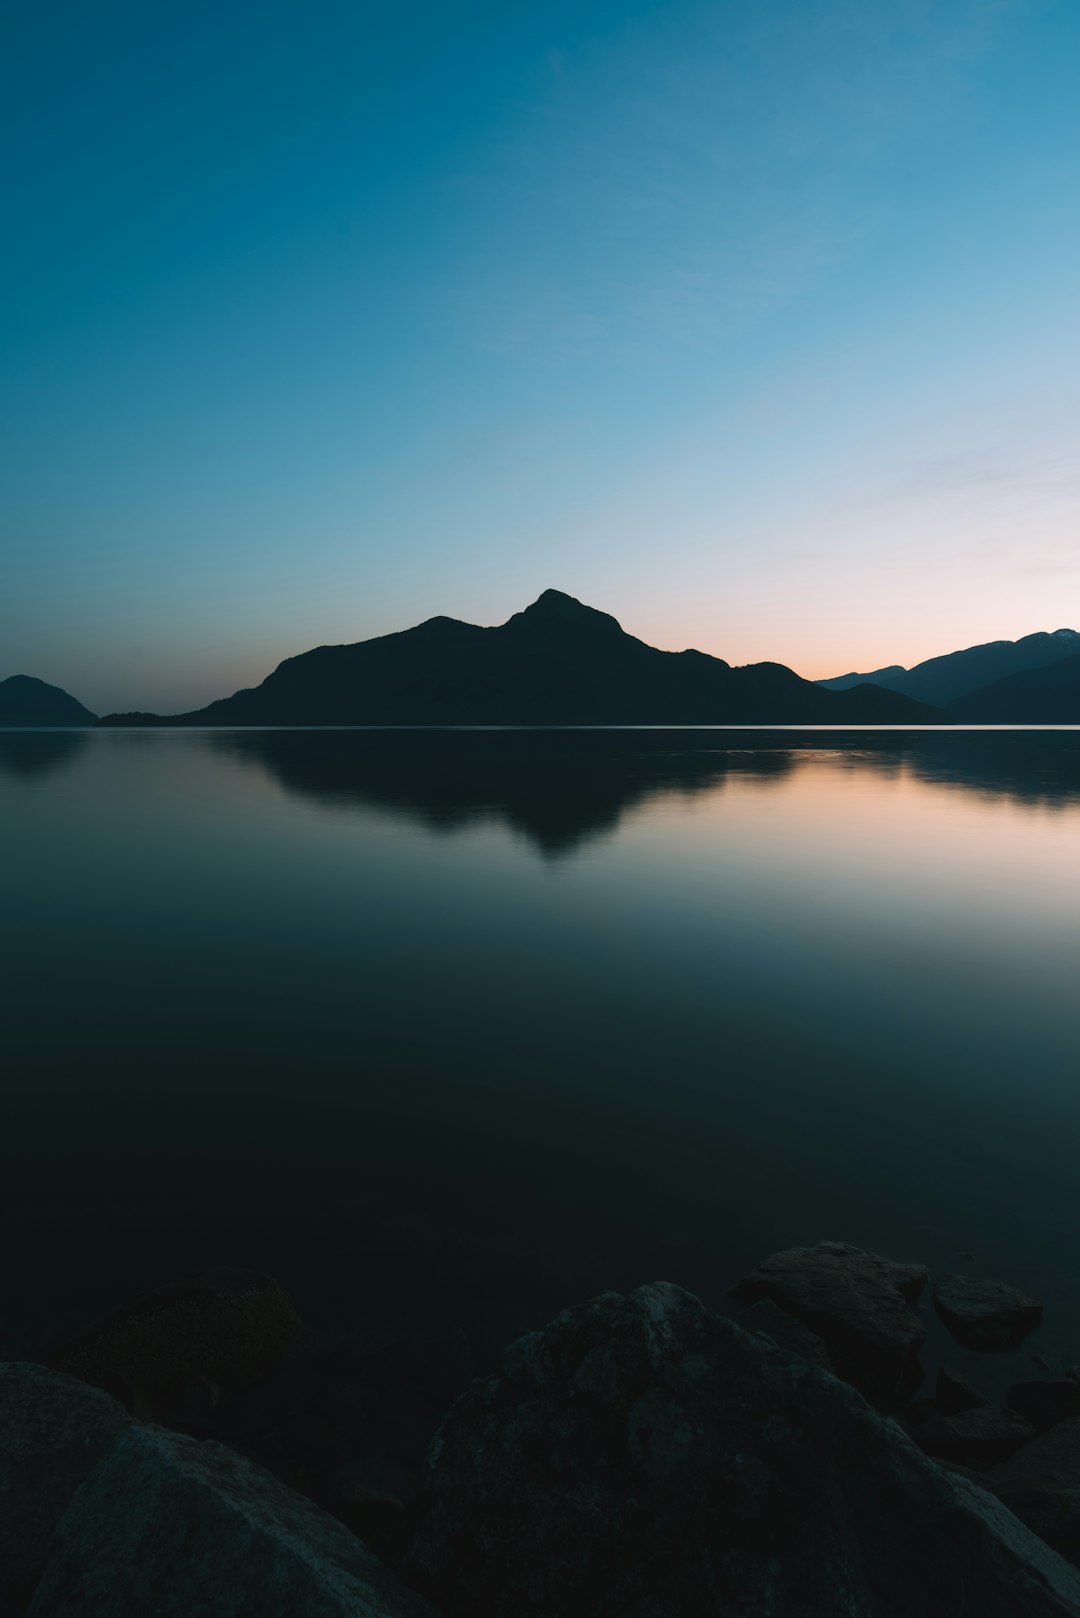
x=1041 y=1484
x=53 y=1431
x=643 y=1458
x=1044 y=1404
x=976 y=1437
x=985 y=1314
x=858 y=1304
x=955 y=1394
x=920 y=1411
x=169 y=1354
x=784 y=1330
x=1051 y=1461
x=173 y=1526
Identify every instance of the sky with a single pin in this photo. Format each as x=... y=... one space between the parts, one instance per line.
x=755 y=323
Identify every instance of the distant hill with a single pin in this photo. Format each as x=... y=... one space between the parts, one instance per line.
x=942 y=681
x=26 y=701
x=844 y=682
x=558 y=662
x=1046 y=696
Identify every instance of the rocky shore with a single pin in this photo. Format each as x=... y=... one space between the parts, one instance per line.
x=200 y=1452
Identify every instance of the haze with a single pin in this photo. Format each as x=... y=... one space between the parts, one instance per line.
x=753 y=324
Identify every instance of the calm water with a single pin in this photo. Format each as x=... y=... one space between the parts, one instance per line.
x=450 y=1030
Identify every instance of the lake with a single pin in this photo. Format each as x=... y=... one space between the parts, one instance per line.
x=448 y=1030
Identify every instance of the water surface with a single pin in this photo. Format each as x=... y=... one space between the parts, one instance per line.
x=449 y=1030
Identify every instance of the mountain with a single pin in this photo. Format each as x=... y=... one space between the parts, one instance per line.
x=844 y=682
x=941 y=681
x=558 y=662
x=1046 y=696
x=26 y=701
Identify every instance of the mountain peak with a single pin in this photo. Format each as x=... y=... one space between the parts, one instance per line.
x=554 y=610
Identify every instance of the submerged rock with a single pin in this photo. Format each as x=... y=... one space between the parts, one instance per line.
x=1044 y=1404
x=643 y=1458
x=169 y=1354
x=53 y=1431
x=858 y=1304
x=985 y=1314
x=955 y=1394
x=167 y=1526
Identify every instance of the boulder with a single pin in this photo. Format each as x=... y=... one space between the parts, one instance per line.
x=1051 y=1461
x=172 y=1526
x=1044 y=1404
x=784 y=1330
x=985 y=1314
x=954 y=1394
x=977 y=1437
x=169 y=1355
x=53 y=1431
x=1041 y=1484
x=643 y=1458
x=859 y=1306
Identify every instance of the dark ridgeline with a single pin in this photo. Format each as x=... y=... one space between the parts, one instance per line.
x=558 y=662
x=564 y=789
x=1043 y=696
x=30 y=702
x=944 y=681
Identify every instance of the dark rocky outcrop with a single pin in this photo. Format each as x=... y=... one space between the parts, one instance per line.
x=976 y=1437
x=53 y=1431
x=1041 y=1484
x=1046 y=1403
x=955 y=1394
x=985 y=1314
x=168 y=1355
x=783 y=1329
x=859 y=1304
x=169 y=1526
x=642 y=1456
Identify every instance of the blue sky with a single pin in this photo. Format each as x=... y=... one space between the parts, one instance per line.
x=755 y=324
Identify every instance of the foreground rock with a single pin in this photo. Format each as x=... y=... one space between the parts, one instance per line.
x=858 y=1304
x=170 y=1353
x=985 y=1314
x=1041 y=1484
x=643 y=1458
x=1044 y=1404
x=786 y=1332
x=976 y=1437
x=53 y=1431
x=955 y=1394
x=171 y=1527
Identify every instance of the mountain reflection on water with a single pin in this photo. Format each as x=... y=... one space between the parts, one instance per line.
x=562 y=789
x=449 y=1029
x=28 y=754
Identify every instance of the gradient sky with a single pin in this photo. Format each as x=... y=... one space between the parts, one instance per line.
x=754 y=323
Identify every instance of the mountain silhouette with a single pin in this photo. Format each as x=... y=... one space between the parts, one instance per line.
x=1042 y=696
x=844 y=682
x=562 y=789
x=942 y=681
x=26 y=701
x=557 y=663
